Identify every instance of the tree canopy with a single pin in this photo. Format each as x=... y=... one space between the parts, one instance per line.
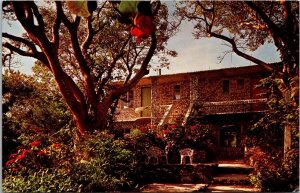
x=86 y=55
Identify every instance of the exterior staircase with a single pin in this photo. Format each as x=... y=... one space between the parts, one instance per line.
x=231 y=176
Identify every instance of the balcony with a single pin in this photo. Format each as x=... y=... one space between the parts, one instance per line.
x=232 y=107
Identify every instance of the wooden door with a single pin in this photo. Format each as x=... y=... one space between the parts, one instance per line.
x=146 y=101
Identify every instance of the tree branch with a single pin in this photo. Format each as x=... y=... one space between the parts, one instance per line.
x=242 y=54
x=272 y=26
x=56 y=26
x=21 y=40
x=113 y=64
x=277 y=31
x=84 y=69
x=87 y=42
x=141 y=73
x=38 y=16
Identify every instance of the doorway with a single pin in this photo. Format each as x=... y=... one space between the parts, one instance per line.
x=146 y=101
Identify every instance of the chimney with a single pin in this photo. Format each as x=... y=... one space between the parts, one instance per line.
x=159 y=72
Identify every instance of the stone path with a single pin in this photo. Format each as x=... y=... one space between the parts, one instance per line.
x=230 y=176
x=231 y=188
x=159 y=187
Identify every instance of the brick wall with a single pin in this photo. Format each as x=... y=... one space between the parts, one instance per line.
x=199 y=86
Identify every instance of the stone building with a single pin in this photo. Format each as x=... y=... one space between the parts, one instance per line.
x=225 y=100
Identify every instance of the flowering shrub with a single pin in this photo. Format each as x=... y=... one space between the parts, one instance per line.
x=33 y=168
x=193 y=136
x=171 y=138
x=109 y=166
x=272 y=173
x=27 y=158
x=95 y=164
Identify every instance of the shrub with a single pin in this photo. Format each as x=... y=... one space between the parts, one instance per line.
x=98 y=163
x=106 y=166
x=39 y=168
x=272 y=173
x=44 y=180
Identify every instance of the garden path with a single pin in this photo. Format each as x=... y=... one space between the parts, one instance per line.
x=160 y=187
x=231 y=176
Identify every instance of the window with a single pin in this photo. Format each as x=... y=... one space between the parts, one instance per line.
x=127 y=100
x=225 y=87
x=130 y=99
x=230 y=136
x=240 y=84
x=177 y=92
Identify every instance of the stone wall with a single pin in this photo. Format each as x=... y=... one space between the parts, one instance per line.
x=199 y=87
x=211 y=89
x=176 y=173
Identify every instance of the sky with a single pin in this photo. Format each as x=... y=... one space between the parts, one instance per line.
x=202 y=54
x=193 y=55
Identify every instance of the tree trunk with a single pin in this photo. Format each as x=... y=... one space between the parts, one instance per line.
x=287 y=138
x=287 y=128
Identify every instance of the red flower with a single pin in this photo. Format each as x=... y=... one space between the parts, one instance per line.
x=14 y=169
x=143 y=129
x=165 y=132
x=35 y=143
x=172 y=126
x=13 y=155
x=23 y=155
x=27 y=151
x=193 y=127
x=41 y=153
x=9 y=162
x=56 y=145
x=21 y=147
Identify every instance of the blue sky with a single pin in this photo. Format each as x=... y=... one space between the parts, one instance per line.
x=202 y=54
x=193 y=55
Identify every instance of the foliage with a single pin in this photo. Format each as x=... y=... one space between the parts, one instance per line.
x=171 y=138
x=105 y=165
x=194 y=136
x=42 y=181
x=268 y=131
x=274 y=171
x=272 y=174
x=94 y=165
x=141 y=139
x=86 y=56
x=32 y=110
x=13 y=91
x=37 y=167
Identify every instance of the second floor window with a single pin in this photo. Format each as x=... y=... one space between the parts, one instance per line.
x=127 y=99
x=225 y=87
x=177 y=92
x=240 y=84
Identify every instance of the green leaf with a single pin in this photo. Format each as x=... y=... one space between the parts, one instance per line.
x=128 y=7
x=79 y=8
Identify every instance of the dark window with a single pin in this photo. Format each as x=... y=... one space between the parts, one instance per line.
x=225 y=87
x=127 y=100
x=177 y=92
x=230 y=136
x=130 y=98
x=240 y=84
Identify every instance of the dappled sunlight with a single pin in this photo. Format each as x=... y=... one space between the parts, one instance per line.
x=157 y=187
x=233 y=188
